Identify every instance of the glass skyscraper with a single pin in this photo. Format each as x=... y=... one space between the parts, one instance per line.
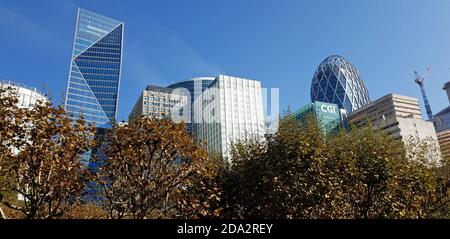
x=337 y=81
x=195 y=87
x=95 y=69
x=328 y=116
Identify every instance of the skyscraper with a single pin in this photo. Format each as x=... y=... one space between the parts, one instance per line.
x=442 y=118
x=95 y=69
x=328 y=116
x=441 y=122
x=230 y=109
x=337 y=81
x=195 y=86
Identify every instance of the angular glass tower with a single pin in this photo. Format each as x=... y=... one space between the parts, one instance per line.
x=337 y=81
x=95 y=69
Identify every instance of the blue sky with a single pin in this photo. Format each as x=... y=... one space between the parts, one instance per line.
x=277 y=42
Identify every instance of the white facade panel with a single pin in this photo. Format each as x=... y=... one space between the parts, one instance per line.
x=231 y=109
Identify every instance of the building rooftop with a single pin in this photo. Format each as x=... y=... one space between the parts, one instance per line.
x=17 y=84
x=446 y=85
x=160 y=89
x=443 y=112
x=388 y=96
x=205 y=78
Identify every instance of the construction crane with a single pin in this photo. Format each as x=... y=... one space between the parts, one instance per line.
x=420 y=81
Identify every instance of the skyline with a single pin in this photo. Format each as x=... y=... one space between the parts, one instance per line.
x=273 y=51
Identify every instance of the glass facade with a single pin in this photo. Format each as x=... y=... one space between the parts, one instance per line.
x=195 y=87
x=442 y=120
x=337 y=81
x=95 y=69
x=327 y=115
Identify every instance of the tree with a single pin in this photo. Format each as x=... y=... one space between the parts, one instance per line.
x=363 y=161
x=200 y=195
x=85 y=211
x=278 y=177
x=363 y=173
x=150 y=165
x=40 y=153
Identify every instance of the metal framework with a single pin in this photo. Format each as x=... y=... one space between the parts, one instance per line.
x=337 y=81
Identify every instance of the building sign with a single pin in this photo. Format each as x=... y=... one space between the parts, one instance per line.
x=326 y=108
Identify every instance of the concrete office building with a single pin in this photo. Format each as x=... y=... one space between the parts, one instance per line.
x=400 y=117
x=444 y=142
x=230 y=109
x=441 y=122
x=158 y=102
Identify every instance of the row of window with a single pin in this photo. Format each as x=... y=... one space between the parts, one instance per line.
x=95 y=64
x=84 y=104
x=97 y=58
x=157 y=110
x=106 y=84
x=160 y=104
x=161 y=100
x=91 y=53
x=98 y=78
x=88 y=97
x=98 y=71
x=98 y=49
x=88 y=19
x=79 y=85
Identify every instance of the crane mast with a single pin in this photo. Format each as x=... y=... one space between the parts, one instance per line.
x=420 y=81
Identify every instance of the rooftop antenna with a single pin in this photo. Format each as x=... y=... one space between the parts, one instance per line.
x=420 y=81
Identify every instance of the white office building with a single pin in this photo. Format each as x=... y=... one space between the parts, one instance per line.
x=27 y=96
x=401 y=118
x=230 y=109
x=158 y=102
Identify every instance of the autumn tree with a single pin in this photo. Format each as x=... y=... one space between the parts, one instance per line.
x=80 y=210
x=364 y=173
x=199 y=196
x=279 y=177
x=40 y=153
x=151 y=170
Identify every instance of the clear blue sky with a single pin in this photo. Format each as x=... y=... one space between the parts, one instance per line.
x=277 y=42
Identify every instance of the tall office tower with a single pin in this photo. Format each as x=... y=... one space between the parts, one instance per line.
x=195 y=87
x=442 y=118
x=95 y=69
x=229 y=110
x=158 y=102
x=328 y=116
x=27 y=96
x=400 y=117
x=337 y=81
x=441 y=122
